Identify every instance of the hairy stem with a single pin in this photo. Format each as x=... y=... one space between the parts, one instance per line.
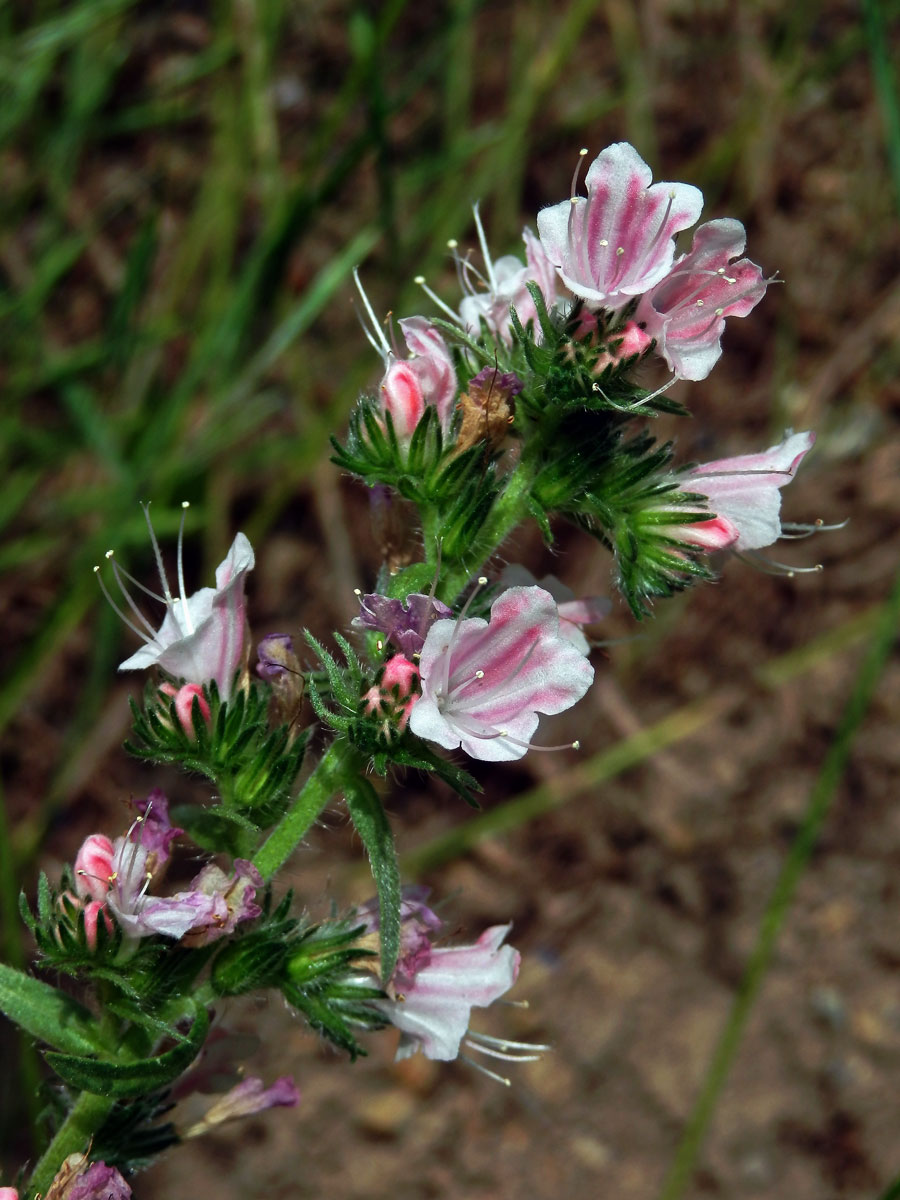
x=509 y=511
x=86 y=1116
x=339 y=762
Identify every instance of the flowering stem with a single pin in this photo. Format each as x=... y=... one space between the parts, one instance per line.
x=339 y=763
x=74 y=1135
x=509 y=511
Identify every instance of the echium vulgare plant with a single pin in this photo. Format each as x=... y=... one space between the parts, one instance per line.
x=520 y=404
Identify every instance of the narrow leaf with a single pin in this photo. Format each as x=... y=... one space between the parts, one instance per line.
x=46 y=1013
x=374 y=829
x=117 y=1080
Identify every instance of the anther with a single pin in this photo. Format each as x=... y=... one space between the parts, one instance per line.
x=419 y=279
x=379 y=645
x=479 y=674
x=620 y=250
x=604 y=242
x=452 y=243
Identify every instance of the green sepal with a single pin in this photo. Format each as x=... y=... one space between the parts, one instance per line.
x=254 y=767
x=118 y=1080
x=47 y=1014
x=417 y=755
x=371 y=823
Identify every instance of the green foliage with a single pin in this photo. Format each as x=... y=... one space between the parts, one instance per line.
x=47 y=1014
x=371 y=823
x=254 y=767
x=326 y=984
x=118 y=1079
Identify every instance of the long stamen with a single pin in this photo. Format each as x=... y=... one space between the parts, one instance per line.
x=163 y=579
x=435 y=299
x=118 y=569
x=484 y=1071
x=151 y=632
x=793 y=531
x=770 y=567
x=582 y=155
x=122 y=617
x=485 y=253
x=185 y=505
x=379 y=342
x=506 y=1043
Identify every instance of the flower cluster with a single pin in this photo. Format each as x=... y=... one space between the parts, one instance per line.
x=521 y=402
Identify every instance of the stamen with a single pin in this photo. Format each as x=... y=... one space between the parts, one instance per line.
x=185 y=505
x=485 y=253
x=105 y=590
x=158 y=555
x=770 y=567
x=379 y=342
x=582 y=155
x=150 y=636
x=435 y=299
x=484 y=1071
x=506 y=1043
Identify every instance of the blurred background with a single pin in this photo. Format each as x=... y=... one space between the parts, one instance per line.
x=186 y=188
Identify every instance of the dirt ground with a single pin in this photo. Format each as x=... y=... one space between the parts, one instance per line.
x=636 y=903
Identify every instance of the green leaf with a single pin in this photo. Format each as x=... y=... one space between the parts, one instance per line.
x=374 y=829
x=46 y=1013
x=118 y=1080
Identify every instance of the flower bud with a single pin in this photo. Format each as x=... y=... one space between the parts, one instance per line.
x=184 y=705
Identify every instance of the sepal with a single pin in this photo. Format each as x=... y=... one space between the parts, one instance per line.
x=255 y=767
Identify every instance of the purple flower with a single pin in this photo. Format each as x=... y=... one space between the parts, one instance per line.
x=153 y=829
x=434 y=989
x=686 y=311
x=484 y=683
x=418 y=924
x=247 y=1098
x=618 y=242
x=211 y=907
x=100 y=1182
x=201 y=638
x=76 y=1180
x=504 y=287
x=745 y=494
x=406 y=625
x=276 y=655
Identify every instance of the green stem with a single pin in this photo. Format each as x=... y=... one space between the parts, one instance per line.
x=509 y=511
x=339 y=762
x=779 y=905
x=86 y=1116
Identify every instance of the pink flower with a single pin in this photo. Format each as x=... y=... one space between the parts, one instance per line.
x=505 y=288
x=426 y=377
x=7 y=1193
x=234 y=899
x=484 y=683
x=434 y=989
x=745 y=495
x=686 y=311
x=618 y=242
x=201 y=638
x=574 y=613
x=116 y=876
